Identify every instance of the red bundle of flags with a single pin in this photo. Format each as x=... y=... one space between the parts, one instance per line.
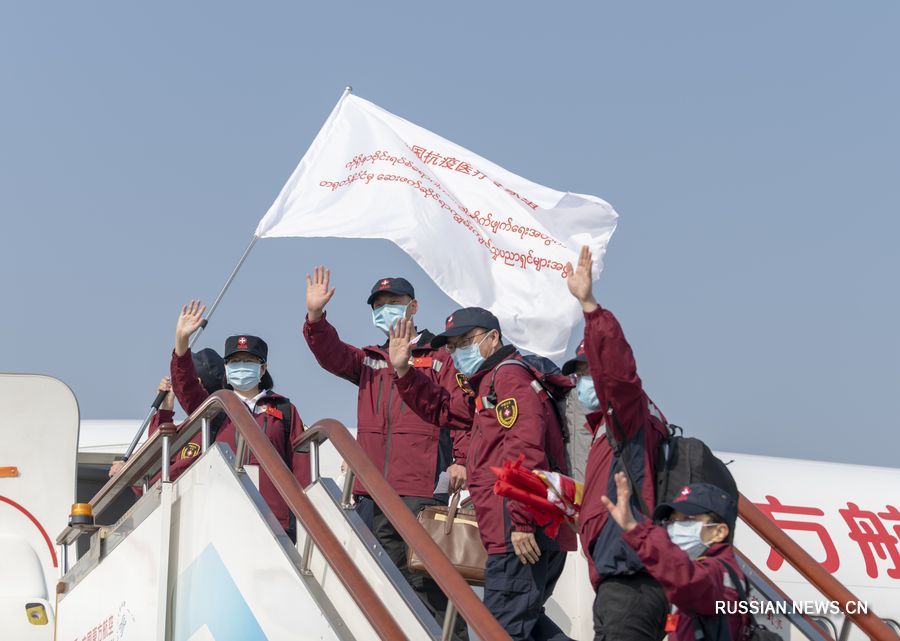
x=550 y=497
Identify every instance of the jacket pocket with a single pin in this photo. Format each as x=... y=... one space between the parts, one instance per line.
x=413 y=458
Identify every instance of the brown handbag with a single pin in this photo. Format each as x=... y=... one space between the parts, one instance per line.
x=455 y=530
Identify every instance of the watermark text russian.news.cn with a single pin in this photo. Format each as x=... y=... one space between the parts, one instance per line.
x=809 y=608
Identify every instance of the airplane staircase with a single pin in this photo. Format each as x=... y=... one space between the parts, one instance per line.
x=203 y=558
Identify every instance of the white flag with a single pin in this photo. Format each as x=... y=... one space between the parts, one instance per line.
x=488 y=237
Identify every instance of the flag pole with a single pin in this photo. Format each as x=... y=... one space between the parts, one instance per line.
x=348 y=89
x=154 y=407
x=224 y=289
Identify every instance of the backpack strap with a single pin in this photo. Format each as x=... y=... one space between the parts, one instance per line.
x=491 y=399
x=617 y=447
x=743 y=590
x=537 y=384
x=742 y=587
x=282 y=404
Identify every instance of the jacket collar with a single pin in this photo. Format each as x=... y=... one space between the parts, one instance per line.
x=424 y=343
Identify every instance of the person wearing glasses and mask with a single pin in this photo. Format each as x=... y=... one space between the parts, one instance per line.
x=508 y=418
x=247 y=374
x=689 y=553
x=410 y=452
x=630 y=604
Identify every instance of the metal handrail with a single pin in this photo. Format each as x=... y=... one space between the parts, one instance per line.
x=808 y=627
x=812 y=571
x=147 y=461
x=435 y=561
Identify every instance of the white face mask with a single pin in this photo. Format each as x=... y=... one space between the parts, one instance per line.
x=686 y=535
x=386 y=316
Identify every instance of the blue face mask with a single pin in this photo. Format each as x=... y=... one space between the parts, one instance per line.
x=586 y=393
x=467 y=360
x=686 y=535
x=243 y=376
x=387 y=316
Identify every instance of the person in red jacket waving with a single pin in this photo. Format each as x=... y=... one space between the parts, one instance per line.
x=509 y=417
x=628 y=427
x=690 y=557
x=409 y=450
x=246 y=373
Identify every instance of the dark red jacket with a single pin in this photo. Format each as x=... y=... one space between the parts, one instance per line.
x=402 y=445
x=191 y=394
x=643 y=426
x=534 y=432
x=693 y=586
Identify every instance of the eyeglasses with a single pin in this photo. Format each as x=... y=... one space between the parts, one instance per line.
x=464 y=342
x=690 y=519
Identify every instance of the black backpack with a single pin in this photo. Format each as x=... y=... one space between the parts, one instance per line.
x=681 y=461
x=685 y=460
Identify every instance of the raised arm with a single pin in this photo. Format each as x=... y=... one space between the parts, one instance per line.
x=332 y=354
x=610 y=359
x=188 y=390
x=689 y=584
x=433 y=403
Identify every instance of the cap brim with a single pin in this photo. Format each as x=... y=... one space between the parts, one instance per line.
x=441 y=339
x=570 y=366
x=385 y=291
x=685 y=507
x=242 y=351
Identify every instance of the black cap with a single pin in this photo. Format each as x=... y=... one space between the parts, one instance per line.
x=700 y=498
x=462 y=320
x=245 y=343
x=210 y=369
x=580 y=357
x=391 y=286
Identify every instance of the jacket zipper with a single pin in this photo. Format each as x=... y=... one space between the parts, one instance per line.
x=387 y=449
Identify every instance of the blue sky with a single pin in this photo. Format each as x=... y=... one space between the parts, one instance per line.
x=750 y=150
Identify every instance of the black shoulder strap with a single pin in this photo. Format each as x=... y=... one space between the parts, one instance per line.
x=743 y=590
x=742 y=587
x=283 y=405
x=713 y=628
x=616 y=446
x=492 y=395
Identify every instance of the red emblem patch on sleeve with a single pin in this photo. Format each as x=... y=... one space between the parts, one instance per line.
x=422 y=361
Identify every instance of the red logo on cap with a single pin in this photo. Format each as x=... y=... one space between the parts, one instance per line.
x=242 y=342
x=580 y=350
x=685 y=492
x=385 y=283
x=450 y=321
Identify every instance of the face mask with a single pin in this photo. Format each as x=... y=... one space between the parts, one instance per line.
x=586 y=393
x=243 y=376
x=468 y=359
x=387 y=316
x=686 y=535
